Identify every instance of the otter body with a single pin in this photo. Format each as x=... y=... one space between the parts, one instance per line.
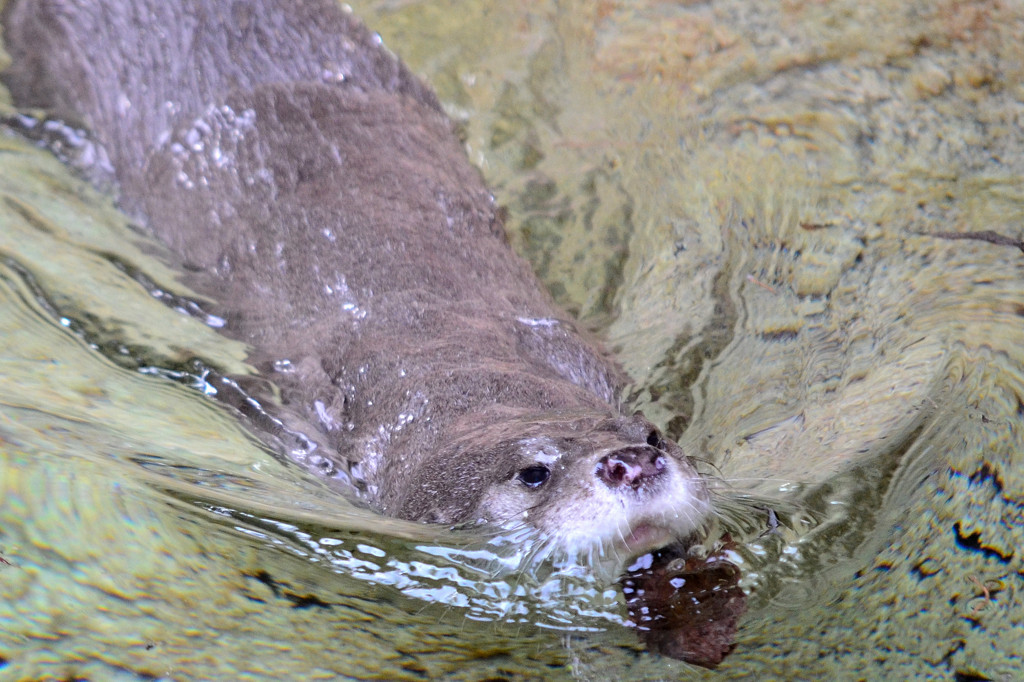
x=314 y=187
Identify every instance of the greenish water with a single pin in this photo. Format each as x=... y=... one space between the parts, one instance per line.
x=738 y=198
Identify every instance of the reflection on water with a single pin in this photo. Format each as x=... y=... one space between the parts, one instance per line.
x=740 y=197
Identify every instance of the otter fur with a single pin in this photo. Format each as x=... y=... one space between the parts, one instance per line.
x=314 y=187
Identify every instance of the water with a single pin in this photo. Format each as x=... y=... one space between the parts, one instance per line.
x=734 y=196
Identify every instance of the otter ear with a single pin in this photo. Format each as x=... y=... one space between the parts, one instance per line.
x=437 y=514
x=654 y=438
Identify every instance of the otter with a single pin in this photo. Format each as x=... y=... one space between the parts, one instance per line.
x=315 y=188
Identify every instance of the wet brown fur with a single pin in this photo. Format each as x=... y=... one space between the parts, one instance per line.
x=339 y=224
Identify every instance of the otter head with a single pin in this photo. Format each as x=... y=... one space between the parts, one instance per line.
x=600 y=488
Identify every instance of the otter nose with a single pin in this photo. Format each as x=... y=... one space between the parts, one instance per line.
x=630 y=466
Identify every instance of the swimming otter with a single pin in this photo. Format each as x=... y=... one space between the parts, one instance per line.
x=314 y=187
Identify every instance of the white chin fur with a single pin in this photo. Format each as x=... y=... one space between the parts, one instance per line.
x=608 y=527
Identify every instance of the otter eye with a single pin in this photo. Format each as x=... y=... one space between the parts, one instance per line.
x=654 y=439
x=534 y=476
